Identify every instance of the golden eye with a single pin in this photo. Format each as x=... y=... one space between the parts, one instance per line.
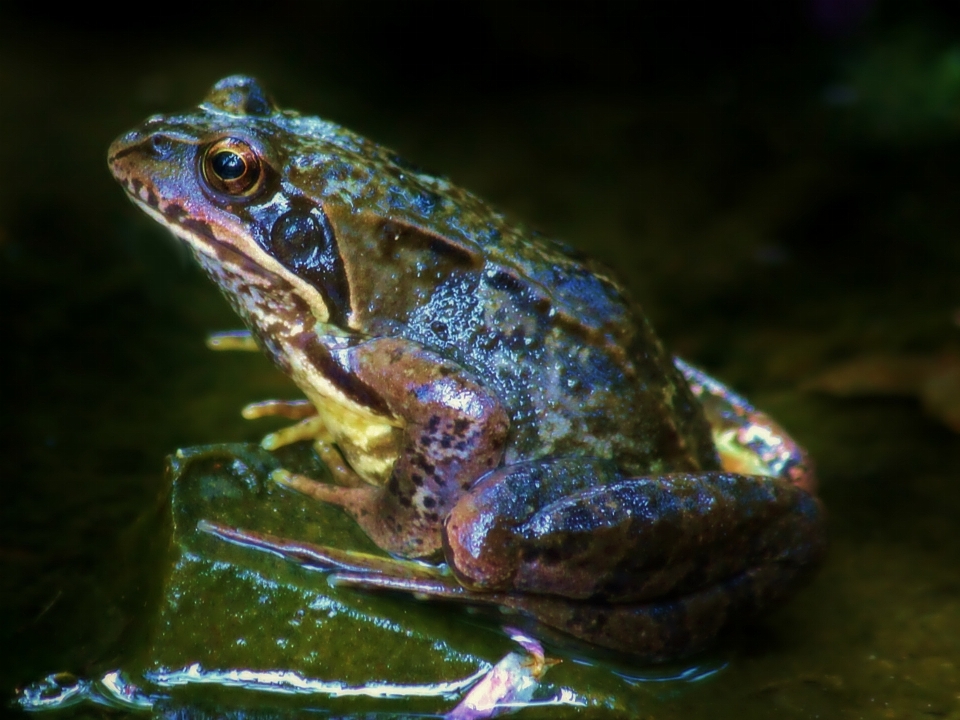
x=231 y=166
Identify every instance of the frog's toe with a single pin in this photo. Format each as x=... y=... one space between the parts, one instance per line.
x=301 y=483
x=358 y=501
x=289 y=409
x=436 y=587
x=309 y=429
x=232 y=340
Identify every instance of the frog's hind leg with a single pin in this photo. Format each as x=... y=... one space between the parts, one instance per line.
x=565 y=528
x=360 y=570
x=419 y=577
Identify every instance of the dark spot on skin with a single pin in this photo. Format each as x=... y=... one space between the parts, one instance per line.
x=517 y=339
x=445 y=441
x=429 y=502
x=417 y=479
x=439 y=329
x=432 y=517
x=393 y=485
x=507 y=283
x=434 y=423
x=460 y=425
x=426 y=440
x=152 y=199
x=461 y=446
x=542 y=306
x=174 y=212
x=529 y=554
x=551 y=556
x=137 y=185
x=465 y=485
x=404 y=500
x=198 y=227
x=444 y=371
x=422 y=463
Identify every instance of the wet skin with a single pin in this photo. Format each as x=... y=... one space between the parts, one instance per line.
x=481 y=394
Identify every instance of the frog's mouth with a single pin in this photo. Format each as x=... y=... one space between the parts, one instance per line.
x=258 y=287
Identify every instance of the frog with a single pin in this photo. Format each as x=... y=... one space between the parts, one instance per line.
x=496 y=412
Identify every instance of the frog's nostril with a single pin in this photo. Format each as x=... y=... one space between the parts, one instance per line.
x=158 y=146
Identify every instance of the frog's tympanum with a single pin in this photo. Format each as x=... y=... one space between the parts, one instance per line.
x=482 y=395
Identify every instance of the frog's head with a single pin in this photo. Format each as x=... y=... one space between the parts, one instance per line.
x=217 y=178
x=302 y=222
x=298 y=220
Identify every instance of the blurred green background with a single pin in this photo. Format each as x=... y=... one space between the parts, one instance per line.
x=777 y=182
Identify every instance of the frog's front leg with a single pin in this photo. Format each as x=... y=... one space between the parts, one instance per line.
x=574 y=528
x=452 y=431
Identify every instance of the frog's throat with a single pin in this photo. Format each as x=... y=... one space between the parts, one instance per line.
x=247 y=261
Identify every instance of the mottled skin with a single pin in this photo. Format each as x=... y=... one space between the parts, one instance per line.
x=478 y=389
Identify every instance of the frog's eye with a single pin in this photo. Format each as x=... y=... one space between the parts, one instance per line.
x=231 y=166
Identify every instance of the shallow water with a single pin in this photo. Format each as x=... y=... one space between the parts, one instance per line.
x=779 y=201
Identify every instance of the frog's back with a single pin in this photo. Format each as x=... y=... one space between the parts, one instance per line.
x=567 y=351
x=575 y=362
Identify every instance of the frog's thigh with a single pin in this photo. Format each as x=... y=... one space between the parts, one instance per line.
x=666 y=629
x=629 y=540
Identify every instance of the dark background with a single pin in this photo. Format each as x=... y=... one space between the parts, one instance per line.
x=777 y=182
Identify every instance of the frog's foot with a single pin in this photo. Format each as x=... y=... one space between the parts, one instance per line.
x=310 y=427
x=749 y=441
x=328 y=558
x=232 y=340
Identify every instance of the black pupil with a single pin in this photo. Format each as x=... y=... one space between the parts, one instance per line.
x=228 y=165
